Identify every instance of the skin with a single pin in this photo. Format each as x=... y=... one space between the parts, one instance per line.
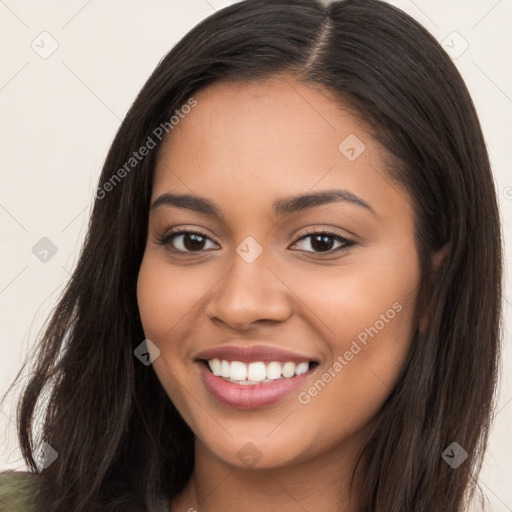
x=243 y=146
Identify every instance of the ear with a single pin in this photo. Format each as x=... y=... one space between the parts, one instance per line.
x=437 y=260
x=439 y=256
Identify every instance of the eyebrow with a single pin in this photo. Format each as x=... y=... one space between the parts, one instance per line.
x=282 y=207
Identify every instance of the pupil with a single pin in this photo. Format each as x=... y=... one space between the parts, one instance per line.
x=322 y=239
x=194 y=245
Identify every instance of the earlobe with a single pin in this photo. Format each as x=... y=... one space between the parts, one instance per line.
x=437 y=260
x=440 y=255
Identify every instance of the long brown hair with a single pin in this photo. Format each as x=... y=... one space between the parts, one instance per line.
x=120 y=441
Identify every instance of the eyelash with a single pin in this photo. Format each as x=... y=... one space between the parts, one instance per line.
x=167 y=238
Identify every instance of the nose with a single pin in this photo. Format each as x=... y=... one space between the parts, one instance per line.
x=250 y=293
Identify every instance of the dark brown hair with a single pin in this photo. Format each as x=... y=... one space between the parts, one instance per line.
x=120 y=441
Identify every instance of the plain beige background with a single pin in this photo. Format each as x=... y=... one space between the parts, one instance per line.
x=68 y=73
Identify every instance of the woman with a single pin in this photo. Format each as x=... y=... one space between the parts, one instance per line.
x=289 y=294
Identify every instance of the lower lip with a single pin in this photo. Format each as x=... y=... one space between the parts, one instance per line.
x=253 y=395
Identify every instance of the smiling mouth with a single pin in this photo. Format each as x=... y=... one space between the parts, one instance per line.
x=257 y=372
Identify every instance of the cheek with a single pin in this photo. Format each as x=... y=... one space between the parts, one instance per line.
x=368 y=316
x=373 y=295
x=360 y=302
x=166 y=295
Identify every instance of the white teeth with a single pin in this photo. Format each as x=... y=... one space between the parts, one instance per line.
x=301 y=368
x=215 y=366
x=225 y=369
x=238 y=371
x=289 y=369
x=273 y=370
x=256 y=372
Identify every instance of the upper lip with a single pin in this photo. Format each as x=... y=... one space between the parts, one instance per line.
x=250 y=354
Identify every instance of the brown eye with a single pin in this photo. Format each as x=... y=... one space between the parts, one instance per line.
x=323 y=241
x=185 y=241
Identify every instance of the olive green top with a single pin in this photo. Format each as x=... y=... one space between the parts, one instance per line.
x=17 y=491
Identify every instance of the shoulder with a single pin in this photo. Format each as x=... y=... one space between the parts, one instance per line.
x=17 y=491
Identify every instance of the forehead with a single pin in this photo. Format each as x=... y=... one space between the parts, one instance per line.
x=268 y=139
x=278 y=106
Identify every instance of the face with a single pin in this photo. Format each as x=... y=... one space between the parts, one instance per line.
x=316 y=296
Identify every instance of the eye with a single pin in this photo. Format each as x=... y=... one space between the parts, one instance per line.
x=193 y=241
x=189 y=241
x=322 y=241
